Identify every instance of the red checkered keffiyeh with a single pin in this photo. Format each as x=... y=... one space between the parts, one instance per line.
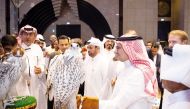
x=136 y=51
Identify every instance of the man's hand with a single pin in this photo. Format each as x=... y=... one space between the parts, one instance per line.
x=113 y=81
x=78 y=98
x=90 y=103
x=37 y=70
x=173 y=87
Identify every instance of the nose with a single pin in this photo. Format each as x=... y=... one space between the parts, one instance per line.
x=115 y=51
x=27 y=35
x=171 y=44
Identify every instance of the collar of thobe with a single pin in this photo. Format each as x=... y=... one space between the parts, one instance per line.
x=108 y=52
x=127 y=63
x=23 y=45
x=123 y=66
x=26 y=47
x=95 y=58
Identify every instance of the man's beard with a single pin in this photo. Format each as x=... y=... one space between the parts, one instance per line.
x=109 y=47
x=27 y=43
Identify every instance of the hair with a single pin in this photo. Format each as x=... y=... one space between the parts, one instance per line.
x=155 y=45
x=182 y=34
x=52 y=38
x=63 y=37
x=112 y=42
x=150 y=42
x=78 y=41
x=131 y=33
x=8 y=40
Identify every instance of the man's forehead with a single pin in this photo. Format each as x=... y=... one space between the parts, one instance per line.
x=109 y=40
x=28 y=29
x=90 y=46
x=28 y=33
x=174 y=38
x=63 y=41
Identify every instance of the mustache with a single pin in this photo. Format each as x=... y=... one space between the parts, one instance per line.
x=109 y=46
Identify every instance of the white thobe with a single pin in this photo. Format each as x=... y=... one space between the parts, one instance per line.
x=35 y=58
x=95 y=73
x=108 y=54
x=110 y=74
x=180 y=73
x=178 y=100
x=128 y=92
x=113 y=68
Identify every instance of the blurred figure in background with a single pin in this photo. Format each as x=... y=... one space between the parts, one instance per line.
x=157 y=60
x=51 y=47
x=84 y=52
x=1 y=50
x=40 y=41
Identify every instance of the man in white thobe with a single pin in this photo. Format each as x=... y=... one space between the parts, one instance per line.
x=35 y=63
x=95 y=69
x=174 y=37
x=135 y=84
x=179 y=72
x=113 y=65
x=108 y=44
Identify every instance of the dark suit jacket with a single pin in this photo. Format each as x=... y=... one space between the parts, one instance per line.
x=158 y=61
x=149 y=54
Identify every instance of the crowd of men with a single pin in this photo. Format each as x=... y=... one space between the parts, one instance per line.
x=118 y=72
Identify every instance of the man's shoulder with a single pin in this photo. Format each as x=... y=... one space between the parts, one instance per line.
x=35 y=46
x=36 y=49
